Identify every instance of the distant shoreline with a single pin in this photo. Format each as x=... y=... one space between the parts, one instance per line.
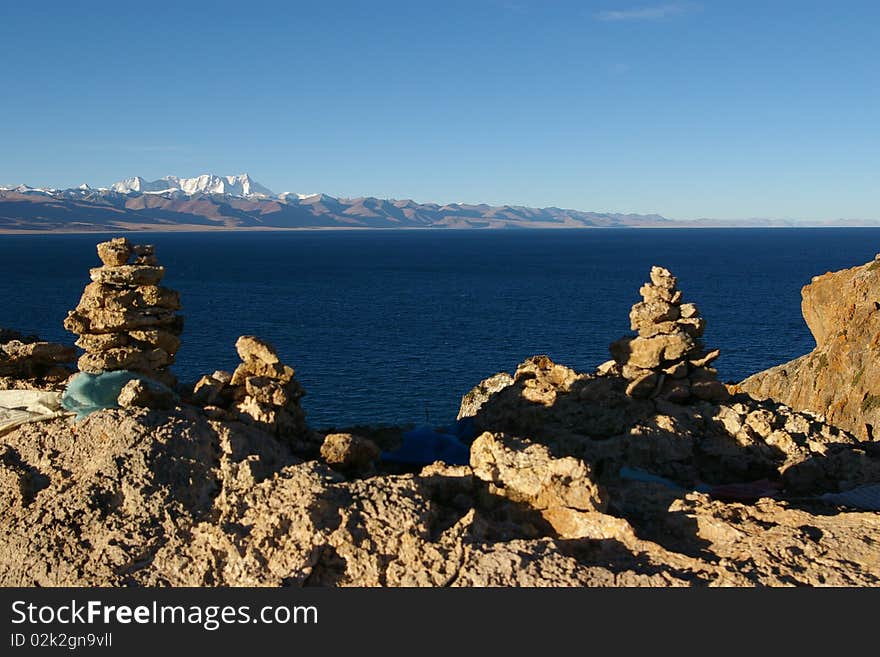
x=190 y=228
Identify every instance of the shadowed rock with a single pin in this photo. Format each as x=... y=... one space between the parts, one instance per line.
x=840 y=378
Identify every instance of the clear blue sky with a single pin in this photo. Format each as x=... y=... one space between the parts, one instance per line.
x=724 y=109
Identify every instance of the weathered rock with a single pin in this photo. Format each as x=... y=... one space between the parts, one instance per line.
x=649 y=329
x=101 y=321
x=649 y=353
x=540 y=379
x=125 y=358
x=274 y=371
x=620 y=350
x=102 y=341
x=109 y=297
x=709 y=390
x=144 y=394
x=267 y=391
x=128 y=275
x=35 y=361
x=349 y=453
x=262 y=391
x=115 y=253
x=840 y=378
x=684 y=438
x=705 y=360
x=193 y=497
x=145 y=254
x=161 y=339
x=644 y=386
x=652 y=312
x=526 y=472
x=544 y=368
x=251 y=348
x=689 y=310
x=693 y=326
x=677 y=371
x=40 y=352
x=663 y=278
x=651 y=292
x=209 y=391
x=141 y=497
x=481 y=393
x=609 y=368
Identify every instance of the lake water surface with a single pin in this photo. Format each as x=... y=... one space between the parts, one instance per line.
x=394 y=326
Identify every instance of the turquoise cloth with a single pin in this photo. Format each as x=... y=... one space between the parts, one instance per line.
x=87 y=393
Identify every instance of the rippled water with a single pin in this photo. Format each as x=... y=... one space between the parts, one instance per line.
x=394 y=326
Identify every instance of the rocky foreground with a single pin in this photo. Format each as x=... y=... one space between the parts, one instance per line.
x=648 y=471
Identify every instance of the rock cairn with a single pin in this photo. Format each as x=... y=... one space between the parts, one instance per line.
x=125 y=320
x=262 y=391
x=667 y=359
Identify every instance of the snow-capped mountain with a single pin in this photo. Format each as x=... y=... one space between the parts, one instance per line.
x=242 y=185
x=209 y=201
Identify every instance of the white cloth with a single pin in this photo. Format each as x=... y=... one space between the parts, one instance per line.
x=19 y=407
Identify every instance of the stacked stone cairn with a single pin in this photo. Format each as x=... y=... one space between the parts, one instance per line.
x=262 y=391
x=125 y=320
x=667 y=360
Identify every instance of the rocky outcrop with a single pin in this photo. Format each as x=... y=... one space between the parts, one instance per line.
x=592 y=418
x=840 y=378
x=667 y=359
x=125 y=320
x=26 y=359
x=145 y=497
x=481 y=393
x=144 y=393
x=262 y=391
x=349 y=453
x=562 y=490
x=575 y=479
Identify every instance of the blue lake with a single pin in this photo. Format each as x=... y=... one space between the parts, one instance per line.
x=394 y=326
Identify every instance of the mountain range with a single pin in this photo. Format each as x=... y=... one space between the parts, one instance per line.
x=210 y=202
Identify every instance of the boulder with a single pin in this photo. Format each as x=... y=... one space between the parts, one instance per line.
x=349 y=453
x=128 y=275
x=114 y=253
x=144 y=394
x=649 y=353
x=252 y=349
x=526 y=472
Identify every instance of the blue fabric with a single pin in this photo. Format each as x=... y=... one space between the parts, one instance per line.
x=866 y=498
x=86 y=393
x=635 y=474
x=465 y=429
x=425 y=445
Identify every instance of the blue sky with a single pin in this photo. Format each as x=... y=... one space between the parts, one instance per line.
x=726 y=109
